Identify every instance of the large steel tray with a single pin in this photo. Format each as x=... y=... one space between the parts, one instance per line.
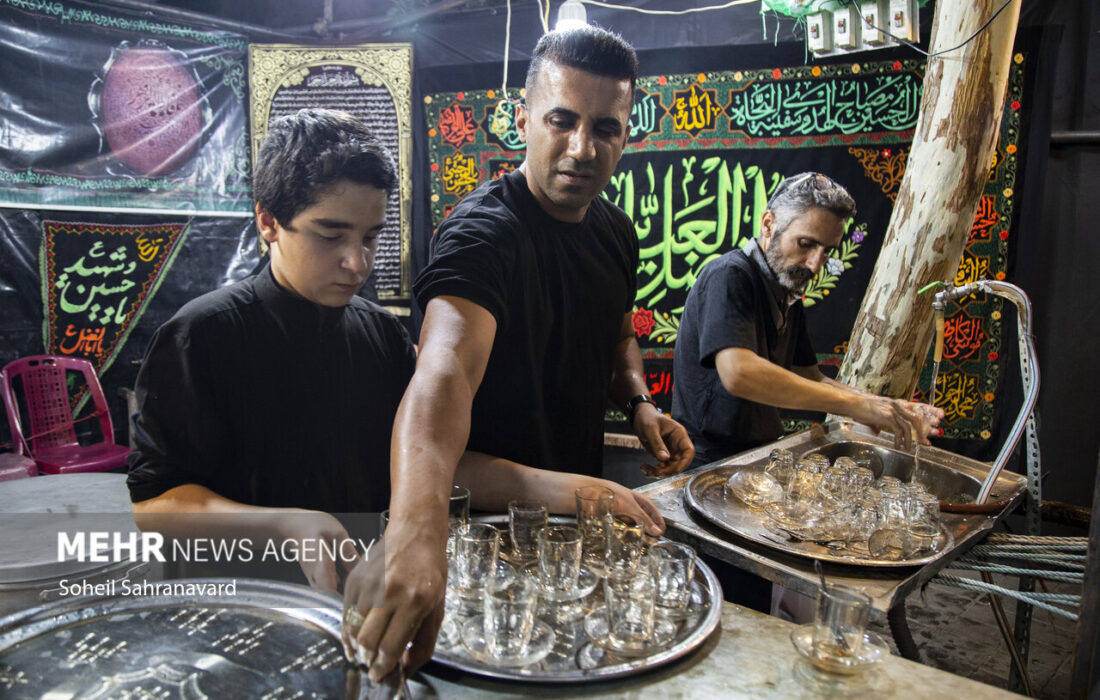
x=262 y=638
x=707 y=494
x=575 y=659
x=950 y=477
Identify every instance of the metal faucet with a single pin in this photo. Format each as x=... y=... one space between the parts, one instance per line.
x=1029 y=368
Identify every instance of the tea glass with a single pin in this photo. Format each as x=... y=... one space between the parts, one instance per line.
x=593 y=510
x=840 y=620
x=630 y=599
x=673 y=567
x=509 y=614
x=525 y=519
x=559 y=549
x=625 y=538
x=476 y=552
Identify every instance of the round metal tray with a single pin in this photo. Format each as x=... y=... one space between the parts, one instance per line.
x=265 y=639
x=576 y=659
x=707 y=495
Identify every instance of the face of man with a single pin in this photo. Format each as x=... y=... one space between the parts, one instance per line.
x=797 y=253
x=575 y=125
x=325 y=253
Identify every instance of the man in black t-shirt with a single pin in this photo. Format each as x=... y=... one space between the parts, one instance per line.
x=743 y=351
x=527 y=332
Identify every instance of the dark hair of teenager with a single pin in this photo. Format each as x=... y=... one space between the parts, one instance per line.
x=591 y=49
x=305 y=153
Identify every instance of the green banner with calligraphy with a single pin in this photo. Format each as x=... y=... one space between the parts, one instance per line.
x=97 y=281
x=705 y=152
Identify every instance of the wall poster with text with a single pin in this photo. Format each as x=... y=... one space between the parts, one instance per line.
x=372 y=82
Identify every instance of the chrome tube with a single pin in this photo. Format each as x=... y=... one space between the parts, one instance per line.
x=1028 y=363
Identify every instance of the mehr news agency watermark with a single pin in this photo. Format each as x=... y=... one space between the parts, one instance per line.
x=107 y=547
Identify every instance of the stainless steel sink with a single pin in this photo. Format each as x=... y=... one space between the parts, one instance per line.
x=940 y=478
x=949 y=476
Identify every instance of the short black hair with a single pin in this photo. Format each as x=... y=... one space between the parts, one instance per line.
x=303 y=154
x=591 y=49
x=798 y=193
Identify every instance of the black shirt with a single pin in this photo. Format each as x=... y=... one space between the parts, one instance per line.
x=558 y=292
x=271 y=400
x=735 y=303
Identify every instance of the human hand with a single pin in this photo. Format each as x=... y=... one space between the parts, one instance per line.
x=905 y=419
x=663 y=438
x=399 y=599
x=627 y=501
x=321 y=571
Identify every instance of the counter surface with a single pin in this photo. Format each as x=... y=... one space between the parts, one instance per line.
x=749 y=656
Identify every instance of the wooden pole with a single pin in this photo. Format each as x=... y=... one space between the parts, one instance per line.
x=957 y=131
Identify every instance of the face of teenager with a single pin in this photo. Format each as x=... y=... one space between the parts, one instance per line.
x=325 y=253
x=575 y=125
x=797 y=253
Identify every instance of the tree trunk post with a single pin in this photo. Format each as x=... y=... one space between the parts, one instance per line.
x=957 y=131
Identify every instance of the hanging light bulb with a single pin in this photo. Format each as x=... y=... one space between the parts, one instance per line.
x=571 y=15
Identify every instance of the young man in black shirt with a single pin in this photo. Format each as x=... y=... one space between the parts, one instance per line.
x=268 y=404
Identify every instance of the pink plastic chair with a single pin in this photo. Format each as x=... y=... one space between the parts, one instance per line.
x=38 y=384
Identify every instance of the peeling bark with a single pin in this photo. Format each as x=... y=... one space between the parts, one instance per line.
x=957 y=130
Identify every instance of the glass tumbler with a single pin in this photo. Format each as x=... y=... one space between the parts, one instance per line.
x=509 y=614
x=525 y=519
x=625 y=540
x=630 y=599
x=476 y=552
x=673 y=567
x=559 y=557
x=593 y=508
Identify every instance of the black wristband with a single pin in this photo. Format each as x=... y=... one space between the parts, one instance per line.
x=633 y=404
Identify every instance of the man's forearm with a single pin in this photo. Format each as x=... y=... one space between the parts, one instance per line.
x=430 y=434
x=748 y=376
x=628 y=377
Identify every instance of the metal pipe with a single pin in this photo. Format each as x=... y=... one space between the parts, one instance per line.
x=1027 y=359
x=1080 y=137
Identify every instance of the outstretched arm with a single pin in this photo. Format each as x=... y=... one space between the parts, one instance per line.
x=192 y=510
x=429 y=436
x=747 y=375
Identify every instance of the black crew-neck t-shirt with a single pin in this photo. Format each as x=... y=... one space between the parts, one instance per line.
x=558 y=292
x=271 y=400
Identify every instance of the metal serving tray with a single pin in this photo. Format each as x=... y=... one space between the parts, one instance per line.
x=947 y=475
x=576 y=659
x=266 y=639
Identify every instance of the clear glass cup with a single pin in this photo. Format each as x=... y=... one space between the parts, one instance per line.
x=525 y=519
x=593 y=508
x=630 y=599
x=460 y=503
x=821 y=462
x=924 y=521
x=476 y=552
x=625 y=540
x=840 y=620
x=673 y=567
x=560 y=548
x=509 y=614
x=780 y=465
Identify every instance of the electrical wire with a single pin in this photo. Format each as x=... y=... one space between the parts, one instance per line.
x=610 y=6
x=939 y=53
x=507 y=47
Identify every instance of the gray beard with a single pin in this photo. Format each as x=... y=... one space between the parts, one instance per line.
x=794 y=278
